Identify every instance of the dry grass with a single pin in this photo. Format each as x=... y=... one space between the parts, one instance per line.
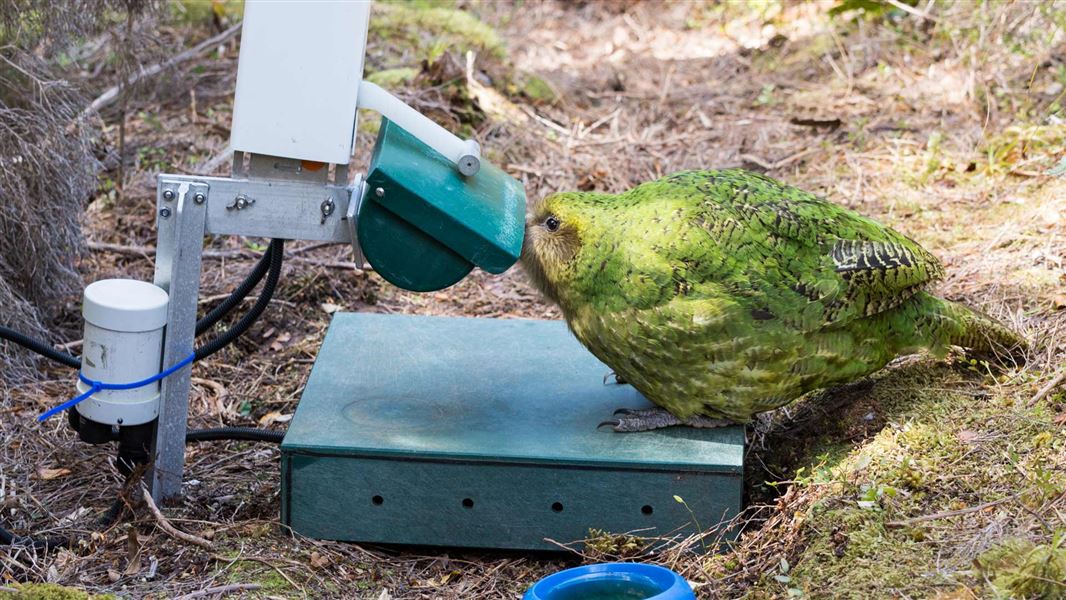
x=941 y=128
x=47 y=171
x=48 y=154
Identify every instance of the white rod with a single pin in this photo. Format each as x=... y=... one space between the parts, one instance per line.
x=373 y=97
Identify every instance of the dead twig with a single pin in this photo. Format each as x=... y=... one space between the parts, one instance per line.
x=331 y=264
x=949 y=513
x=139 y=251
x=265 y=561
x=148 y=251
x=1047 y=389
x=111 y=94
x=832 y=124
x=784 y=162
x=210 y=165
x=172 y=531
x=220 y=590
x=911 y=10
x=68 y=346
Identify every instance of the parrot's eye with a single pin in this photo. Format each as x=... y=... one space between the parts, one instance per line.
x=552 y=223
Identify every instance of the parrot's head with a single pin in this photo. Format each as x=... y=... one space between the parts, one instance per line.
x=555 y=230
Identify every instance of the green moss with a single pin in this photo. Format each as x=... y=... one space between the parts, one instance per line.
x=247 y=571
x=534 y=88
x=614 y=546
x=1025 y=144
x=795 y=57
x=946 y=439
x=48 y=591
x=410 y=33
x=391 y=78
x=1021 y=569
x=206 y=11
x=859 y=558
x=424 y=44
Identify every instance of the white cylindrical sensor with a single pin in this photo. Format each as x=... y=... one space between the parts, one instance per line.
x=123 y=343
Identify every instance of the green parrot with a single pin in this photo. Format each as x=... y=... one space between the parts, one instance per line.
x=722 y=294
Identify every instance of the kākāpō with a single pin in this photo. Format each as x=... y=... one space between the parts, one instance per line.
x=722 y=294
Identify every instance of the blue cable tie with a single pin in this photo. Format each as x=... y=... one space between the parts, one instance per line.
x=96 y=386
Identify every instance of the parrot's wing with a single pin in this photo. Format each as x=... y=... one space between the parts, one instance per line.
x=805 y=259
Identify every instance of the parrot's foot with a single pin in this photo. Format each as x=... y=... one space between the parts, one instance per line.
x=613 y=378
x=628 y=420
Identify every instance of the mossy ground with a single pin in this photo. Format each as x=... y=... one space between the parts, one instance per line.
x=943 y=478
x=47 y=591
x=958 y=466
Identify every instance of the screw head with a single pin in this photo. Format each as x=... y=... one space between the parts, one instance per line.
x=164 y=212
x=379 y=192
x=199 y=198
x=168 y=194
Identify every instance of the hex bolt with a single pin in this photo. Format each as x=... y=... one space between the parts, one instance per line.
x=164 y=212
x=199 y=198
x=379 y=192
x=168 y=195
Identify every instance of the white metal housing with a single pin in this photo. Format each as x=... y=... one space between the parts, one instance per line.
x=298 y=78
x=123 y=343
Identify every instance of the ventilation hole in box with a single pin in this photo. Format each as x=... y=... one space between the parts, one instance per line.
x=377 y=500
x=468 y=503
x=647 y=509
x=557 y=506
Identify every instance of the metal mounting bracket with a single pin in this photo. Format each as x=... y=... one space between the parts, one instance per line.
x=181 y=214
x=299 y=206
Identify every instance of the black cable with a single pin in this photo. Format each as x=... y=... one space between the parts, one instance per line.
x=39 y=347
x=249 y=434
x=44 y=544
x=277 y=254
x=237 y=296
x=213 y=316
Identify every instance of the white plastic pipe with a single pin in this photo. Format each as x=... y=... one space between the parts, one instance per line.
x=465 y=154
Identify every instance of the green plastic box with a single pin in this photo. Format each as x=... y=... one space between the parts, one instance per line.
x=468 y=432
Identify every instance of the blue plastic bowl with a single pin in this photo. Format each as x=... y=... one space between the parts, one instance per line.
x=612 y=581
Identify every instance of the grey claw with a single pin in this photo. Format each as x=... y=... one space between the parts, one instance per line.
x=623 y=411
x=612 y=424
x=608 y=376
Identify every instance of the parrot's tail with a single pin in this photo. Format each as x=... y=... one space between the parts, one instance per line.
x=939 y=323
